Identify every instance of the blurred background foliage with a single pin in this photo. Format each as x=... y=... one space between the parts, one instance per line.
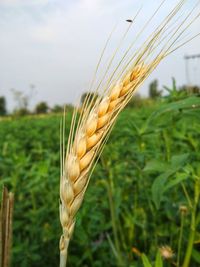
x=143 y=194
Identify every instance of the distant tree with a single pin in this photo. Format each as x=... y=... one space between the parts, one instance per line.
x=68 y=107
x=136 y=101
x=57 y=109
x=190 y=89
x=60 y=108
x=41 y=108
x=154 y=92
x=3 y=110
x=21 y=112
x=22 y=100
x=89 y=96
x=194 y=89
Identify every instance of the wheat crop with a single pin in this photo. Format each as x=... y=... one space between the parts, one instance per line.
x=88 y=137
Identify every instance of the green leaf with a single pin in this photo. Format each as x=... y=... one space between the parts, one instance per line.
x=180 y=178
x=145 y=261
x=156 y=166
x=158 y=187
x=179 y=160
x=112 y=246
x=159 y=262
x=192 y=103
x=196 y=255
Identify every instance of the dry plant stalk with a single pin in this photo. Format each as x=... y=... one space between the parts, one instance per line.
x=6 y=227
x=98 y=116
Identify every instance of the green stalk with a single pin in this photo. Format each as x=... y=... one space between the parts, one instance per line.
x=187 y=196
x=188 y=254
x=167 y=145
x=109 y=186
x=190 y=242
x=113 y=222
x=180 y=239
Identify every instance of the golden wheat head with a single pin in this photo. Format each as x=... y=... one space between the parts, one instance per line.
x=98 y=116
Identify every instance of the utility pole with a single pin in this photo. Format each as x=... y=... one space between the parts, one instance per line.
x=187 y=59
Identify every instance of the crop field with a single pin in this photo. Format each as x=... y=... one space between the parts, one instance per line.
x=143 y=196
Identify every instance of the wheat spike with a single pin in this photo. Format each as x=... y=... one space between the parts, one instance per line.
x=98 y=117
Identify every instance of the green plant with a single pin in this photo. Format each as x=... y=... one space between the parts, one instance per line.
x=158 y=261
x=143 y=143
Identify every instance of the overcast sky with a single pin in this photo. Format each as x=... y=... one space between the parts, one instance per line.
x=55 y=45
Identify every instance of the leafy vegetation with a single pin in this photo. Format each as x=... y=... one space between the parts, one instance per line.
x=144 y=192
x=41 y=108
x=3 y=110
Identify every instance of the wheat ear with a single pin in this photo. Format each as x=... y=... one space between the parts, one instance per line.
x=97 y=119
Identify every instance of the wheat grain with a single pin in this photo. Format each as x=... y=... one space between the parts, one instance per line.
x=97 y=119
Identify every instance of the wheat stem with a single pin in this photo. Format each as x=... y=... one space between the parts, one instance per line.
x=64 y=243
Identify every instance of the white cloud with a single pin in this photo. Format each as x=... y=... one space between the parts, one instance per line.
x=43 y=34
x=20 y=3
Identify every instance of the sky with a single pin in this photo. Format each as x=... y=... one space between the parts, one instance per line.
x=55 y=45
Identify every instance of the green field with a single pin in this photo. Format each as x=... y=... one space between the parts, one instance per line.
x=143 y=194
